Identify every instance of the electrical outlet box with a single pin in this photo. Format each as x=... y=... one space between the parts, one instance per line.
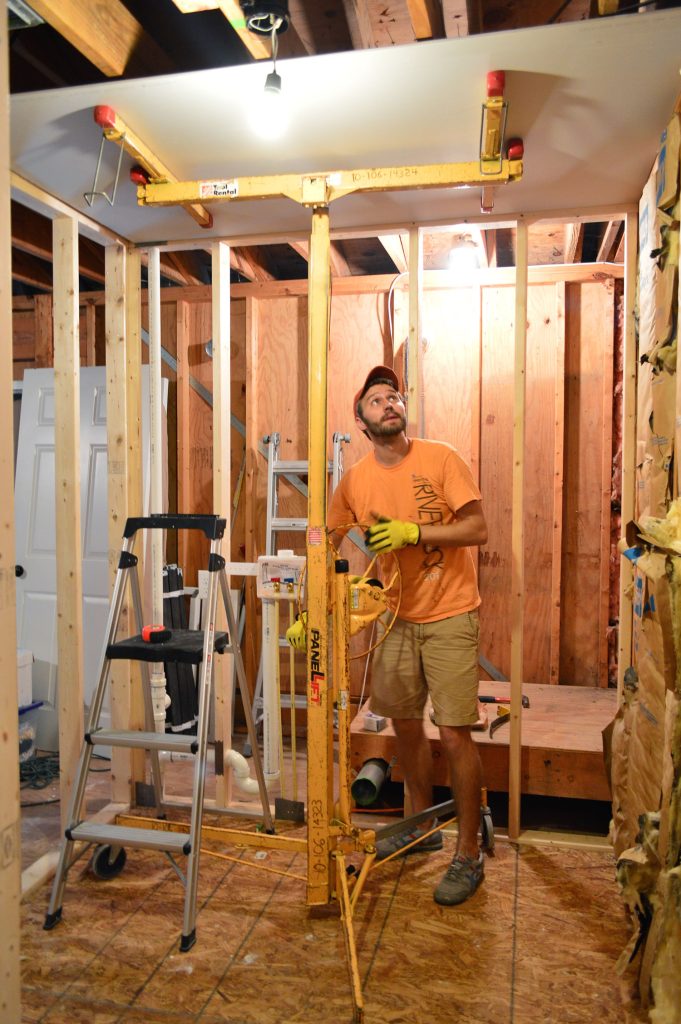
x=279 y=576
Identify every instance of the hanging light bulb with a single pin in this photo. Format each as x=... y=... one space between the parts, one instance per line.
x=269 y=116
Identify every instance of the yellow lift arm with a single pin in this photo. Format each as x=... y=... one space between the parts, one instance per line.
x=115 y=129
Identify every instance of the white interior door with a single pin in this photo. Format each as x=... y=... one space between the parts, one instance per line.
x=36 y=534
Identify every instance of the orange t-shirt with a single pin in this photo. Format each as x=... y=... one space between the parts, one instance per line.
x=427 y=487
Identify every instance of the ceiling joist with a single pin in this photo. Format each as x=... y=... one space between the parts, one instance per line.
x=426 y=18
x=106 y=33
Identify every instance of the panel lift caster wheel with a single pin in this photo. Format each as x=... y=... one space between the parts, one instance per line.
x=487 y=831
x=106 y=866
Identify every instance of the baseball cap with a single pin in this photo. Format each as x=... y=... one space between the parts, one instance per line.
x=378 y=373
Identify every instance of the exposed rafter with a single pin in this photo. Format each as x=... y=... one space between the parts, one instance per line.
x=32 y=234
x=106 y=33
x=574 y=240
x=31 y=271
x=462 y=17
x=610 y=241
x=359 y=24
x=339 y=265
x=397 y=248
x=426 y=18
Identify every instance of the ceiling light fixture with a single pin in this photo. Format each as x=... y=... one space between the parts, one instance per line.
x=464 y=256
x=268 y=114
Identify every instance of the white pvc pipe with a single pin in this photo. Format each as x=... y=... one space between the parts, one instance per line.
x=242 y=776
x=270 y=705
x=158 y=680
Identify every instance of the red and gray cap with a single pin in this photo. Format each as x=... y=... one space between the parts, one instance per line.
x=378 y=373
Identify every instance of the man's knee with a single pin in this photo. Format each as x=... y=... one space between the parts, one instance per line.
x=456 y=738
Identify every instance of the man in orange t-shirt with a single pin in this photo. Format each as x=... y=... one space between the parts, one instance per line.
x=418 y=499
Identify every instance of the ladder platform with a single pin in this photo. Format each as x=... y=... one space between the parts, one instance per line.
x=122 y=835
x=185 y=646
x=143 y=740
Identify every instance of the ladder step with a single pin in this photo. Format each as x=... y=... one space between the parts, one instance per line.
x=300 y=467
x=289 y=524
x=185 y=646
x=139 y=838
x=143 y=740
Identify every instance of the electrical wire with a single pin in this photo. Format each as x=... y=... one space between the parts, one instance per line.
x=38 y=772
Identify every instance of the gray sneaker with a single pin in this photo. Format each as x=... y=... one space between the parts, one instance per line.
x=460 y=880
x=396 y=844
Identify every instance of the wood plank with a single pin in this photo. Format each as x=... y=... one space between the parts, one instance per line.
x=558 y=458
x=586 y=333
x=253 y=478
x=107 y=34
x=10 y=813
x=426 y=18
x=453 y=353
x=629 y=364
x=184 y=473
x=117 y=498
x=542 y=330
x=462 y=17
x=415 y=411
x=610 y=241
x=44 y=332
x=518 y=531
x=397 y=248
x=574 y=241
x=607 y=337
x=258 y=46
x=495 y=474
x=90 y=334
x=67 y=504
x=133 y=401
x=223 y=667
x=359 y=24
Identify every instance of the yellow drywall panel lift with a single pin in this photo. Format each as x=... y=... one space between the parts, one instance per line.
x=330 y=833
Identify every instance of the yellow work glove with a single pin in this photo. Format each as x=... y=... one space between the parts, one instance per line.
x=391 y=535
x=296 y=634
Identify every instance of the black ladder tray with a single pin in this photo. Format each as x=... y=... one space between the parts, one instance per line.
x=185 y=645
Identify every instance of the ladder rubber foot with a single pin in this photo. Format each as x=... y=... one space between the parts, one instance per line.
x=187 y=941
x=51 y=920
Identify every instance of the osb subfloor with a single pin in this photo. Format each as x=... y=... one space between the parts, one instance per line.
x=537 y=942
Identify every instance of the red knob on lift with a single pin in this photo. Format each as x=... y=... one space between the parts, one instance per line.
x=138 y=176
x=515 y=149
x=496 y=80
x=105 y=117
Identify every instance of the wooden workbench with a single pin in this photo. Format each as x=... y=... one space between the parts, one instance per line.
x=562 y=747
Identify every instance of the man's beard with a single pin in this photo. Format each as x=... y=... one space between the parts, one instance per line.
x=389 y=428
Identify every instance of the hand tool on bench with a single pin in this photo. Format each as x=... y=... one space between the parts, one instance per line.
x=488 y=699
x=503 y=715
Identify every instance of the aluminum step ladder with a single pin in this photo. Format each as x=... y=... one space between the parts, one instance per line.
x=188 y=646
x=291 y=470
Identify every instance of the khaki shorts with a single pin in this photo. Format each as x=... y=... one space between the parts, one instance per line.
x=421 y=658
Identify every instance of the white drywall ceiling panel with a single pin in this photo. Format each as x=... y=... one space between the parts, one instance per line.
x=589 y=99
